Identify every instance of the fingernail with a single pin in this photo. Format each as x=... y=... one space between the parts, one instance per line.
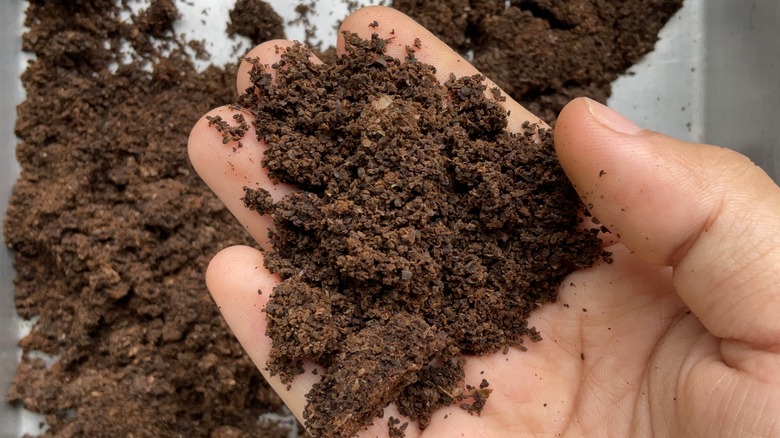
x=611 y=119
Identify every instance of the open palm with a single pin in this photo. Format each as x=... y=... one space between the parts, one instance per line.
x=680 y=336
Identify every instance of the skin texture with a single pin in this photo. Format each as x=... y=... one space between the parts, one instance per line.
x=678 y=337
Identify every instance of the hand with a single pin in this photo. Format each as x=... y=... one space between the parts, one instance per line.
x=680 y=336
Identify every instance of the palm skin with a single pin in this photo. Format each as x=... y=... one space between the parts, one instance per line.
x=599 y=368
x=679 y=336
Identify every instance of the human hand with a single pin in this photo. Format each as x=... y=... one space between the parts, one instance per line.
x=680 y=336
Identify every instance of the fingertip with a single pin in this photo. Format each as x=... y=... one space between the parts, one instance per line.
x=573 y=119
x=204 y=138
x=584 y=117
x=368 y=15
x=239 y=283
x=401 y=31
x=230 y=266
x=573 y=110
x=220 y=160
x=266 y=54
x=241 y=286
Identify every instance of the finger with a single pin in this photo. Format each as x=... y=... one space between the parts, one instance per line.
x=228 y=168
x=401 y=32
x=707 y=211
x=241 y=287
x=267 y=53
x=379 y=426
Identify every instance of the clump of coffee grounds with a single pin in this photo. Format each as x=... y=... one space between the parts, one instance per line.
x=544 y=53
x=111 y=231
x=422 y=231
x=256 y=20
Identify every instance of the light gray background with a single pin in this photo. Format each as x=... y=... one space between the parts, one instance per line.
x=10 y=95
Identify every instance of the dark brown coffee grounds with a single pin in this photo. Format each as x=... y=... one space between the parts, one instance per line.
x=422 y=230
x=395 y=428
x=112 y=231
x=256 y=20
x=157 y=20
x=544 y=53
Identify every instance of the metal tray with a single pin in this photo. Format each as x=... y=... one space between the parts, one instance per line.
x=713 y=78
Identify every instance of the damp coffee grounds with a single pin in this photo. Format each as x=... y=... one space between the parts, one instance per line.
x=420 y=231
x=111 y=230
x=544 y=53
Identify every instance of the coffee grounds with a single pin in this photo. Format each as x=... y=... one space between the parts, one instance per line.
x=256 y=20
x=545 y=53
x=422 y=231
x=395 y=428
x=112 y=231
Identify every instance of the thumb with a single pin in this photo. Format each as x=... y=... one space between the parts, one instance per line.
x=706 y=211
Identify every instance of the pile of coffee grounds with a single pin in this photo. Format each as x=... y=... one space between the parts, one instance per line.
x=544 y=53
x=421 y=230
x=111 y=231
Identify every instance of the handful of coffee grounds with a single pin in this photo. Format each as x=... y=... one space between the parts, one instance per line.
x=421 y=230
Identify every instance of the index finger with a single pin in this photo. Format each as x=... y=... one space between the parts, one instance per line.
x=401 y=32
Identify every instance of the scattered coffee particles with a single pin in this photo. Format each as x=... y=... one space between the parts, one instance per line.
x=422 y=230
x=545 y=53
x=112 y=230
x=395 y=428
